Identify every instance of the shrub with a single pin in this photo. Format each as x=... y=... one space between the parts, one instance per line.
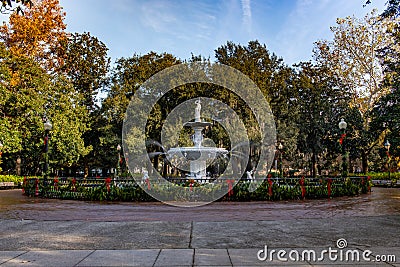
x=128 y=190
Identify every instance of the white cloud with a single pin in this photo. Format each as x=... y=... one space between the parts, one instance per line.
x=289 y=28
x=310 y=21
x=246 y=10
x=157 y=15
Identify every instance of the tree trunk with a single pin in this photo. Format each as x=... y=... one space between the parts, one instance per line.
x=165 y=169
x=155 y=163
x=364 y=160
x=18 y=166
x=313 y=165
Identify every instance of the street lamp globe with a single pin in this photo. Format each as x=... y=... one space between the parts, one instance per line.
x=387 y=145
x=48 y=126
x=342 y=124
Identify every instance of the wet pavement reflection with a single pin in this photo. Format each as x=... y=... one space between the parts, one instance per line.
x=14 y=205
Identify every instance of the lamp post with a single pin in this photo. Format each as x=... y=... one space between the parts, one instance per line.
x=119 y=160
x=47 y=128
x=342 y=127
x=387 y=146
x=280 y=147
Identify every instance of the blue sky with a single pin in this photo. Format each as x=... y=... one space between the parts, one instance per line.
x=288 y=27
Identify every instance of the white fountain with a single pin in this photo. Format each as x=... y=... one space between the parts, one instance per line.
x=198 y=155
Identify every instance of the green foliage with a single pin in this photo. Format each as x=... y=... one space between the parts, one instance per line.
x=86 y=64
x=275 y=80
x=353 y=58
x=11 y=178
x=322 y=102
x=392 y=8
x=62 y=80
x=382 y=175
x=28 y=95
x=128 y=190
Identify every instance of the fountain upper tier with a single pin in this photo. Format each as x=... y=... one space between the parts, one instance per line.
x=197 y=154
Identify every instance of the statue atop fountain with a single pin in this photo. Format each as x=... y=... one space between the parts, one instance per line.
x=197 y=111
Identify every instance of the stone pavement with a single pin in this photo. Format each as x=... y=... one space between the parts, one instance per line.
x=215 y=235
x=168 y=257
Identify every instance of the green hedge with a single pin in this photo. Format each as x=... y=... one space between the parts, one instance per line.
x=381 y=175
x=11 y=178
x=130 y=191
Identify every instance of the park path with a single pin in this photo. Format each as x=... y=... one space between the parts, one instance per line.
x=14 y=205
x=51 y=232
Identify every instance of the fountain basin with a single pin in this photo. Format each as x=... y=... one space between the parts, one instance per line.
x=194 y=159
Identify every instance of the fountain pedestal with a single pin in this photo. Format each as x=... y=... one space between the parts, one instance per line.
x=198 y=154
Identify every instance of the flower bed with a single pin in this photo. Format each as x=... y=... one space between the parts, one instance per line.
x=128 y=190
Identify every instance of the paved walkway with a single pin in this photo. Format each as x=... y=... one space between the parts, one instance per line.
x=168 y=257
x=41 y=232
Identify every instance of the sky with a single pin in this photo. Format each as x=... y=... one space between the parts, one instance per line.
x=289 y=28
x=181 y=27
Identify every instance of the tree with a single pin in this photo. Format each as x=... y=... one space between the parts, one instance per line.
x=385 y=116
x=38 y=34
x=86 y=64
x=322 y=103
x=386 y=120
x=127 y=76
x=274 y=79
x=8 y=5
x=353 y=57
x=28 y=96
x=392 y=8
